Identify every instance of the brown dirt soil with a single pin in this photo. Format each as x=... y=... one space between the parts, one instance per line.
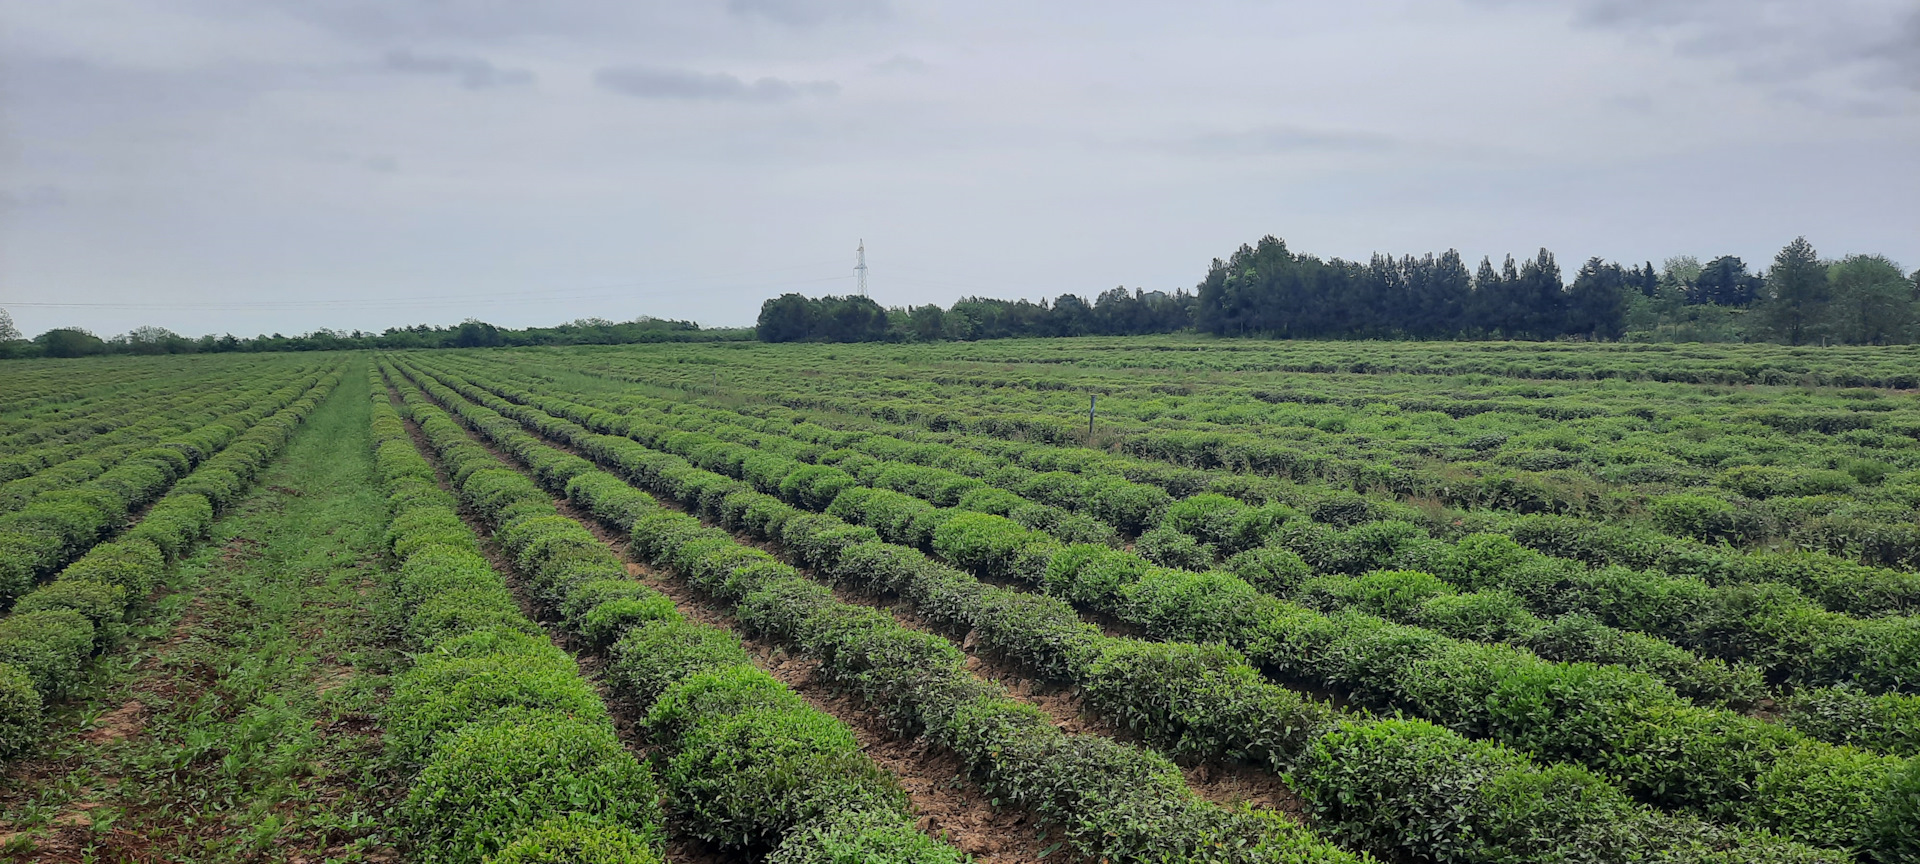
x=126 y=720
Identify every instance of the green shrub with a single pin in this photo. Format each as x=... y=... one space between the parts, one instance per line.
x=442 y=694
x=751 y=760
x=21 y=720
x=1169 y=548
x=1203 y=702
x=173 y=524
x=1369 y=779
x=1702 y=517
x=1209 y=517
x=656 y=655
x=579 y=839
x=864 y=837
x=428 y=526
x=1889 y=723
x=488 y=782
x=1396 y=595
x=608 y=621
x=49 y=646
x=1825 y=796
x=433 y=571
x=1271 y=569
x=1482 y=560
x=135 y=566
x=1481 y=616
x=103 y=604
x=1893 y=832
x=453 y=613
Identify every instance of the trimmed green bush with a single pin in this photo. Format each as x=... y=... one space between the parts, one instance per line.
x=579 y=839
x=21 y=720
x=443 y=694
x=49 y=646
x=104 y=605
x=133 y=565
x=488 y=782
x=863 y=837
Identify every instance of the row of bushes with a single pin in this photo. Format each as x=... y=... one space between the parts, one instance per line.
x=1237 y=527
x=140 y=421
x=58 y=411
x=1665 y=751
x=1083 y=480
x=512 y=755
x=1397 y=787
x=1880 y=538
x=1763 y=624
x=1110 y=801
x=747 y=764
x=1794 y=640
x=1224 y=520
x=121 y=420
x=118 y=415
x=1881 y=721
x=1573 y=635
x=59 y=526
x=56 y=627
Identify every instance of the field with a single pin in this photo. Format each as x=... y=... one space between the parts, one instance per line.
x=1097 y=599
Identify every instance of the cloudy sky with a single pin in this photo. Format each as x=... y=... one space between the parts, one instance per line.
x=281 y=165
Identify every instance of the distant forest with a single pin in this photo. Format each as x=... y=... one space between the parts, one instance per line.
x=78 y=342
x=1261 y=290
x=1266 y=290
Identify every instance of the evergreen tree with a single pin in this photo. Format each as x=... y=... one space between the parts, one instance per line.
x=1797 y=293
x=1597 y=302
x=1724 y=281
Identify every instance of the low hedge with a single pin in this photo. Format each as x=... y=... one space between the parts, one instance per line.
x=676 y=480
x=59 y=526
x=1145 y=810
x=21 y=720
x=760 y=781
x=55 y=628
x=495 y=781
x=769 y=597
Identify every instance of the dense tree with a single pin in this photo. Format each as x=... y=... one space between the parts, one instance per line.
x=1724 y=281
x=1872 y=303
x=70 y=342
x=472 y=333
x=1797 y=293
x=8 y=332
x=1679 y=271
x=796 y=318
x=1597 y=300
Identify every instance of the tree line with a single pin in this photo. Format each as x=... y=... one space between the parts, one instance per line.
x=1266 y=290
x=1117 y=312
x=472 y=333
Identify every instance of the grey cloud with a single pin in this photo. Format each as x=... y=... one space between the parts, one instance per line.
x=900 y=64
x=807 y=13
x=1774 y=42
x=647 y=82
x=32 y=197
x=1282 y=139
x=1901 y=54
x=474 y=73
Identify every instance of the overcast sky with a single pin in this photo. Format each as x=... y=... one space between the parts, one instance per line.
x=281 y=165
